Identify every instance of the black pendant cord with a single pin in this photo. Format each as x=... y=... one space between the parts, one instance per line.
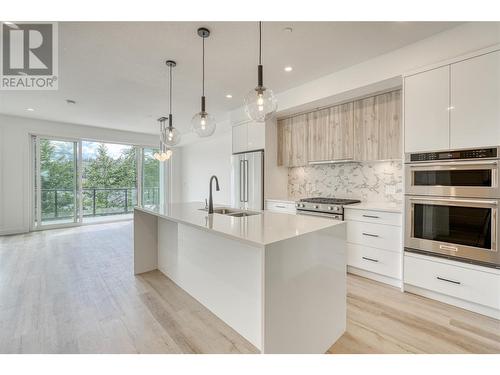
x=170 y=99
x=260 y=72
x=260 y=42
x=203 y=78
x=203 y=69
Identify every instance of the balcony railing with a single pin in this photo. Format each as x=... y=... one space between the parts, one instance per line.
x=59 y=203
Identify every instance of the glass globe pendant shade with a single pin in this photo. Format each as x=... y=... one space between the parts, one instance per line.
x=171 y=137
x=260 y=103
x=164 y=153
x=203 y=124
x=163 y=156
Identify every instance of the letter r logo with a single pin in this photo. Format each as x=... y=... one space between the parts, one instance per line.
x=27 y=49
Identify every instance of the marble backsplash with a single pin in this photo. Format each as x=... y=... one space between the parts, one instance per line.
x=380 y=181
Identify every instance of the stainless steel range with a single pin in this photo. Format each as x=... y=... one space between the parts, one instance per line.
x=327 y=207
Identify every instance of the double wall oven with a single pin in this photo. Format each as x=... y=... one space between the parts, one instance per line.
x=452 y=200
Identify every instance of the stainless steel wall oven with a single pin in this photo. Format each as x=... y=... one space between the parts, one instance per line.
x=451 y=205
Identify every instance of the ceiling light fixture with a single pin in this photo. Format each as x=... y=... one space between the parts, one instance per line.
x=164 y=153
x=288 y=68
x=202 y=122
x=30 y=109
x=288 y=29
x=173 y=135
x=260 y=102
x=229 y=96
x=70 y=101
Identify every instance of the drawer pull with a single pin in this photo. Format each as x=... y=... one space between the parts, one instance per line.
x=448 y=280
x=370 y=235
x=372 y=216
x=278 y=206
x=370 y=259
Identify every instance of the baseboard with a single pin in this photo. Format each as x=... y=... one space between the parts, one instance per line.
x=8 y=232
x=375 y=276
x=474 y=307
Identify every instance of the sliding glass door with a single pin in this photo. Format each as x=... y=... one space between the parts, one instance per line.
x=56 y=182
x=78 y=181
x=109 y=181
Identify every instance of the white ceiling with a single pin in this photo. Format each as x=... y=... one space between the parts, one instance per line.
x=115 y=71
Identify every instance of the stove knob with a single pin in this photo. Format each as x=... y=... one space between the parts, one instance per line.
x=316 y=206
x=330 y=208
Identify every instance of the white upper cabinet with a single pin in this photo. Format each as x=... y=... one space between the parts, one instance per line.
x=249 y=136
x=256 y=136
x=475 y=102
x=426 y=110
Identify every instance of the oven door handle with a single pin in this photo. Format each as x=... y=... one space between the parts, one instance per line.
x=451 y=165
x=319 y=214
x=456 y=201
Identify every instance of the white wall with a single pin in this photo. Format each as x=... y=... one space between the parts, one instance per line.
x=15 y=161
x=198 y=162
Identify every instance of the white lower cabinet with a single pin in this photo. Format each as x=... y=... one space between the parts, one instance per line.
x=381 y=236
x=379 y=261
x=468 y=286
x=287 y=207
x=374 y=244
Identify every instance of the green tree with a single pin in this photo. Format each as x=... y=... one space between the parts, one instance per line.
x=57 y=178
x=113 y=178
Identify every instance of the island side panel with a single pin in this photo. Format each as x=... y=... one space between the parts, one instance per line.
x=223 y=274
x=145 y=242
x=305 y=292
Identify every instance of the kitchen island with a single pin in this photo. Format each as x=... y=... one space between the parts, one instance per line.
x=279 y=280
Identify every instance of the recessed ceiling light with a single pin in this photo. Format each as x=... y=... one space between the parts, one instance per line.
x=30 y=109
x=288 y=68
x=288 y=29
x=229 y=96
x=70 y=101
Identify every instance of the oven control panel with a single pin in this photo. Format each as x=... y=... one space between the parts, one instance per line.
x=481 y=153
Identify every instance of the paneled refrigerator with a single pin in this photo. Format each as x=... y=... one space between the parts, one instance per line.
x=248 y=180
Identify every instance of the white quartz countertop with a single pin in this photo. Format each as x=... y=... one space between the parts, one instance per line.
x=262 y=229
x=376 y=206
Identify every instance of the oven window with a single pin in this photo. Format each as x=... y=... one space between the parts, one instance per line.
x=469 y=226
x=471 y=177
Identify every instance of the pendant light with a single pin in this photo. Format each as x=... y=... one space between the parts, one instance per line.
x=260 y=102
x=203 y=123
x=164 y=152
x=173 y=136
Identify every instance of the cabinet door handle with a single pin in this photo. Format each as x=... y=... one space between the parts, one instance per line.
x=370 y=259
x=372 y=216
x=448 y=280
x=370 y=235
x=278 y=206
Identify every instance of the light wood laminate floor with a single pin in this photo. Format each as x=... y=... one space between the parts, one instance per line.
x=72 y=291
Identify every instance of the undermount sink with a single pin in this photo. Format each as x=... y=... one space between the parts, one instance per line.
x=232 y=212
x=244 y=214
x=224 y=211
